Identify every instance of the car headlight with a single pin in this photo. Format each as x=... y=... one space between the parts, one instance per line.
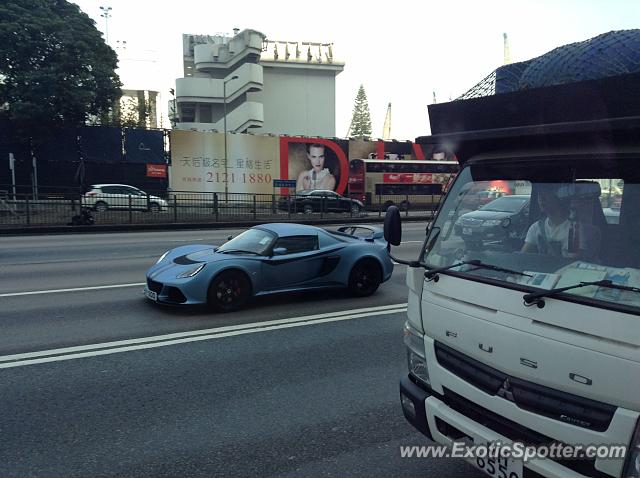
x=162 y=257
x=416 y=360
x=492 y=222
x=190 y=272
x=632 y=467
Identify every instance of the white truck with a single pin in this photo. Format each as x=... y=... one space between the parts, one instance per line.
x=530 y=332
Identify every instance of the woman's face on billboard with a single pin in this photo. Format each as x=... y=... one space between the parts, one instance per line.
x=316 y=157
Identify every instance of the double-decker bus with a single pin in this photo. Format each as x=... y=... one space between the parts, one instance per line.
x=378 y=183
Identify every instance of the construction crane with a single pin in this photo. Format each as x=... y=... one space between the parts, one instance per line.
x=507 y=51
x=386 y=129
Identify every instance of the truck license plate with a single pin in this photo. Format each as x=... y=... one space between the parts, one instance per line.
x=500 y=467
x=151 y=294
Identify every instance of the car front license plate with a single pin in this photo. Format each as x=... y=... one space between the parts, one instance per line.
x=500 y=467
x=467 y=231
x=151 y=295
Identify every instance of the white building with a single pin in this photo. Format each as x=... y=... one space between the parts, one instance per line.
x=278 y=87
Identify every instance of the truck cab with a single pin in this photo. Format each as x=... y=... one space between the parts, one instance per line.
x=532 y=334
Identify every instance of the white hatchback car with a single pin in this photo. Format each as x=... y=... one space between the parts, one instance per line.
x=102 y=197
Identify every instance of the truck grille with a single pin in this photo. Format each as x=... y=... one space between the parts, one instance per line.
x=561 y=406
x=515 y=432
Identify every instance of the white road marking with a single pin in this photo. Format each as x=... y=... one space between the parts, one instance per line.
x=76 y=289
x=107 y=348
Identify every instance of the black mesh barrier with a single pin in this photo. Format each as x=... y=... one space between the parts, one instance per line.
x=144 y=146
x=101 y=144
x=63 y=148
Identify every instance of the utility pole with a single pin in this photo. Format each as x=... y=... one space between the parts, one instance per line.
x=106 y=15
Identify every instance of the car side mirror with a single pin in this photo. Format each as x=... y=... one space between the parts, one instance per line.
x=393 y=226
x=229 y=238
x=279 y=251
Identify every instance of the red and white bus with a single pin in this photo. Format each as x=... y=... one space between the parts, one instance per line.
x=382 y=182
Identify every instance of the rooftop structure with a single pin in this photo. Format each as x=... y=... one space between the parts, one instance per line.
x=278 y=87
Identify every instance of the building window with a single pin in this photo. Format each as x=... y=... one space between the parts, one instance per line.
x=205 y=113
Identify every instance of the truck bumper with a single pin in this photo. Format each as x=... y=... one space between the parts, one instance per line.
x=427 y=411
x=413 y=399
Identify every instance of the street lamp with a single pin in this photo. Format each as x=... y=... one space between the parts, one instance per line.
x=106 y=14
x=226 y=167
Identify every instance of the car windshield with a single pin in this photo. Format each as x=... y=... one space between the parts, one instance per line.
x=256 y=241
x=564 y=236
x=506 y=204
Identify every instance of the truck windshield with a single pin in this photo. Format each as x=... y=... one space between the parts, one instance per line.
x=545 y=224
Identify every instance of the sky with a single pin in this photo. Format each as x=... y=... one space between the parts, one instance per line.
x=401 y=51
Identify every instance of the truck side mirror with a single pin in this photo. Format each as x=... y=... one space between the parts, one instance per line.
x=393 y=226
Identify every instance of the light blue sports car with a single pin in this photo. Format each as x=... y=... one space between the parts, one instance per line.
x=271 y=258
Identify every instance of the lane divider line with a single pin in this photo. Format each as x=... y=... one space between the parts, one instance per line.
x=190 y=333
x=76 y=289
x=47 y=356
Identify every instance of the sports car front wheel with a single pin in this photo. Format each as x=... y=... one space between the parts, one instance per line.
x=365 y=278
x=229 y=291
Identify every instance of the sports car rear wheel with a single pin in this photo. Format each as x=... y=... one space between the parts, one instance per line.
x=365 y=278
x=229 y=291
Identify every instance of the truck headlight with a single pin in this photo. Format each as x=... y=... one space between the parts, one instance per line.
x=416 y=360
x=190 y=272
x=632 y=467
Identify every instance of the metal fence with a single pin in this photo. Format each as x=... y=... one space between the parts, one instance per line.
x=70 y=207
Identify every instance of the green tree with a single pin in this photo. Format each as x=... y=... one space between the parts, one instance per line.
x=56 y=71
x=361 y=119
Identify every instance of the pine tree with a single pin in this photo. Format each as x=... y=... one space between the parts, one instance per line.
x=361 y=119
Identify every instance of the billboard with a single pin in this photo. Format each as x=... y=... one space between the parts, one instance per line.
x=253 y=162
x=198 y=162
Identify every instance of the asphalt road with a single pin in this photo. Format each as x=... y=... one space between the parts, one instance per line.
x=295 y=385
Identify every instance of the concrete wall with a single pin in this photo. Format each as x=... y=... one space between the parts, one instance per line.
x=297 y=101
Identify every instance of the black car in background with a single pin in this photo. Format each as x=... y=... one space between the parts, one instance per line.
x=315 y=200
x=503 y=219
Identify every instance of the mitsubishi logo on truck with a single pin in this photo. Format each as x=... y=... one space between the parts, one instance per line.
x=505 y=391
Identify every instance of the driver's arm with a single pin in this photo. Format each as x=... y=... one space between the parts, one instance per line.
x=530 y=240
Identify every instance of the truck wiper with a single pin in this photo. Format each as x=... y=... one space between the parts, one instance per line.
x=478 y=264
x=535 y=297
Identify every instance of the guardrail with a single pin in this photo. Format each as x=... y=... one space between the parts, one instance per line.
x=64 y=208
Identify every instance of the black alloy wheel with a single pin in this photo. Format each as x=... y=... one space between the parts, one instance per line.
x=365 y=278
x=229 y=291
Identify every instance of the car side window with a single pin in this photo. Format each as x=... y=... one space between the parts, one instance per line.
x=110 y=190
x=297 y=244
x=132 y=191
